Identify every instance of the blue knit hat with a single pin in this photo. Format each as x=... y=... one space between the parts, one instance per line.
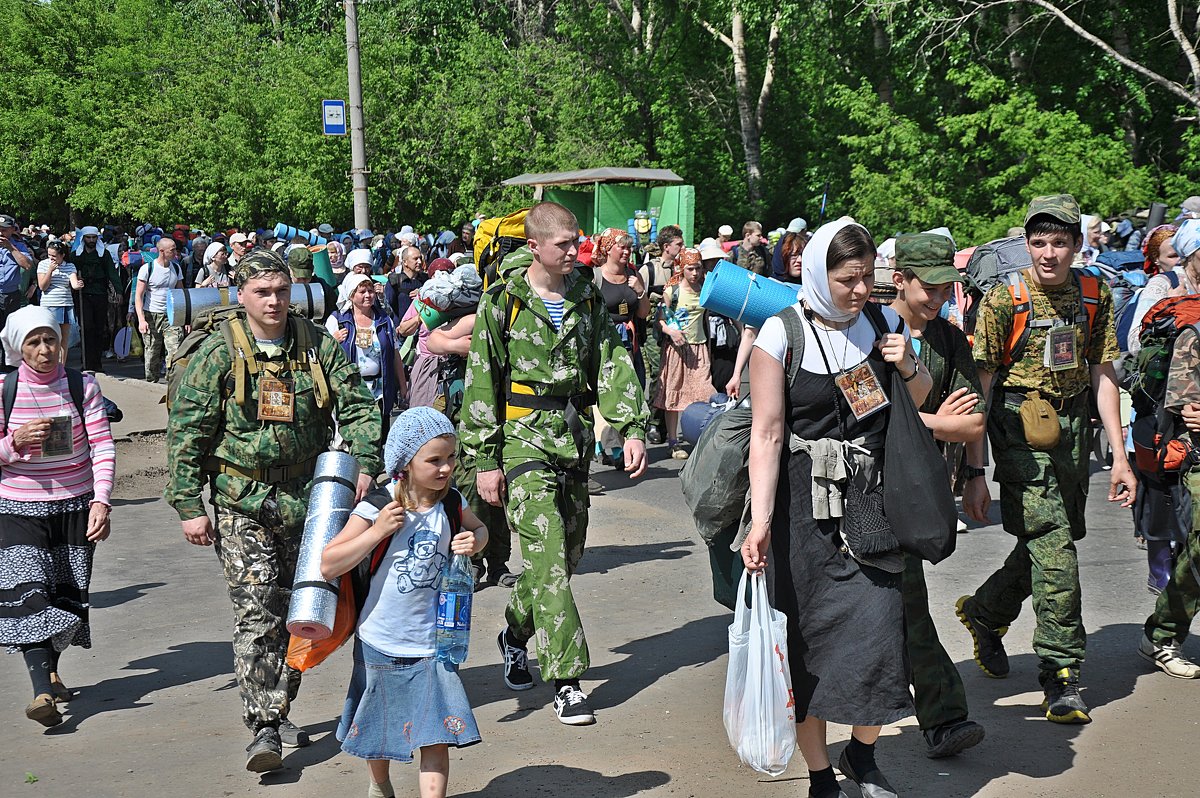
x=411 y=430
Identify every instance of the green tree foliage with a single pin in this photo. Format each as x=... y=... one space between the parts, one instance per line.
x=914 y=113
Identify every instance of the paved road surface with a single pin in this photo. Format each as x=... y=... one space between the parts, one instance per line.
x=158 y=711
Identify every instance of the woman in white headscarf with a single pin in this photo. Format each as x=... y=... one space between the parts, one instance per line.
x=215 y=271
x=56 y=475
x=368 y=336
x=838 y=584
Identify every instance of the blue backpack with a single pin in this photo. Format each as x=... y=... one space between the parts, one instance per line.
x=1126 y=288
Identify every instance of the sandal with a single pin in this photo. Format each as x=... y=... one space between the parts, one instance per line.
x=43 y=710
x=60 y=690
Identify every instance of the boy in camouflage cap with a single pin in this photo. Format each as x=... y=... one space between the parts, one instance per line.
x=924 y=280
x=257 y=455
x=1067 y=347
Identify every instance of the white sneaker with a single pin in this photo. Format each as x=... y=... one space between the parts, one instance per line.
x=572 y=707
x=1168 y=658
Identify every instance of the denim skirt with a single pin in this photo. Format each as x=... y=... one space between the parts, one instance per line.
x=397 y=705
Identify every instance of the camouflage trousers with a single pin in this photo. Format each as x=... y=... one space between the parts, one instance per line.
x=259 y=566
x=550 y=515
x=160 y=341
x=499 y=545
x=938 y=691
x=1180 y=600
x=1042 y=499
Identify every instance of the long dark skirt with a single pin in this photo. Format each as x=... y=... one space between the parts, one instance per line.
x=45 y=570
x=845 y=619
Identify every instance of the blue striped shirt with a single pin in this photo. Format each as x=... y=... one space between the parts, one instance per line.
x=555 y=309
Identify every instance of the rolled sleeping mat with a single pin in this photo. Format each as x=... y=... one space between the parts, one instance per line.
x=740 y=294
x=285 y=232
x=314 y=600
x=696 y=417
x=322 y=268
x=186 y=305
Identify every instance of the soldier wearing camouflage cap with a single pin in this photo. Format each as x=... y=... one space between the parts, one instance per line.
x=254 y=407
x=924 y=280
x=1048 y=336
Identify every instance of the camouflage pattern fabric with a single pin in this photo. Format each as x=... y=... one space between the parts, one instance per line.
x=1042 y=499
x=553 y=533
x=259 y=565
x=938 y=691
x=1062 y=207
x=1183 y=379
x=1060 y=301
x=206 y=421
x=259 y=262
x=947 y=354
x=928 y=255
x=159 y=342
x=752 y=260
x=554 y=363
x=1178 y=603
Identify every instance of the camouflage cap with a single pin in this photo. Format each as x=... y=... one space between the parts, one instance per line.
x=301 y=262
x=1061 y=207
x=259 y=262
x=930 y=256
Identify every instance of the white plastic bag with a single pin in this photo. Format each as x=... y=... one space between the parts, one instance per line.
x=760 y=711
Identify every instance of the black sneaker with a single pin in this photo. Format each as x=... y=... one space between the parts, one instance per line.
x=291 y=735
x=1063 y=703
x=571 y=706
x=499 y=574
x=654 y=436
x=266 y=752
x=952 y=738
x=516 y=663
x=989 y=649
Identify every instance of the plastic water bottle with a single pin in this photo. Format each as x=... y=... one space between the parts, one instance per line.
x=454 y=610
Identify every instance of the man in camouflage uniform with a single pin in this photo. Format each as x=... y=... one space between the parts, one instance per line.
x=1043 y=492
x=229 y=427
x=542 y=352
x=1168 y=626
x=924 y=279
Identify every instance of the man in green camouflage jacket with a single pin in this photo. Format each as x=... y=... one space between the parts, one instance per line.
x=251 y=426
x=543 y=351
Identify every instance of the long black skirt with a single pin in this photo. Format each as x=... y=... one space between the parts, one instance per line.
x=45 y=570
x=845 y=620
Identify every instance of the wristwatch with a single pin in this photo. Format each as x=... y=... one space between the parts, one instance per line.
x=971 y=472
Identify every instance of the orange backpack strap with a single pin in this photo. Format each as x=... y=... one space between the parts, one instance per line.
x=1089 y=297
x=1018 y=331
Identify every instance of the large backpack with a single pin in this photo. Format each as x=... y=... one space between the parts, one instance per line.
x=222 y=318
x=1126 y=288
x=716 y=478
x=993 y=263
x=494 y=239
x=1159 y=448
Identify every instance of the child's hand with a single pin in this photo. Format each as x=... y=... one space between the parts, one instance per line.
x=464 y=543
x=391 y=518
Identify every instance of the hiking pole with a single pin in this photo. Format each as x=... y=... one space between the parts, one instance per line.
x=78 y=293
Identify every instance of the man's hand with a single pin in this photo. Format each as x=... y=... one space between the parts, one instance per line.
x=198 y=531
x=143 y=326
x=365 y=483
x=1191 y=417
x=491 y=485
x=977 y=500
x=635 y=458
x=1122 y=485
x=960 y=403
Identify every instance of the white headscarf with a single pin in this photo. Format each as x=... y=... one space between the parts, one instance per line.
x=348 y=287
x=87 y=231
x=211 y=251
x=18 y=327
x=815 y=271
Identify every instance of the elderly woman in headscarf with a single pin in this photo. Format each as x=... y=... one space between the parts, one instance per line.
x=368 y=337
x=56 y=475
x=839 y=587
x=215 y=271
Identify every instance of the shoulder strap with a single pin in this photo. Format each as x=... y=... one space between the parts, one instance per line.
x=306 y=355
x=878 y=321
x=75 y=387
x=793 y=329
x=10 y=396
x=1089 y=298
x=1172 y=278
x=452 y=507
x=242 y=354
x=1018 y=331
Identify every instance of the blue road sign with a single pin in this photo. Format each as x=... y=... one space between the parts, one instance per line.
x=333 y=117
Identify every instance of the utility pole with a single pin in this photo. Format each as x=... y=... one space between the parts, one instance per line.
x=358 y=147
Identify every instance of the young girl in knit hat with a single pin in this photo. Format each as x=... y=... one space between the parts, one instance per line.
x=401 y=698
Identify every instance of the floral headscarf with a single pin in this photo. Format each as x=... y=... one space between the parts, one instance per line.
x=605 y=241
x=687 y=257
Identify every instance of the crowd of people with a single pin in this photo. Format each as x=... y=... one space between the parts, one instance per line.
x=482 y=424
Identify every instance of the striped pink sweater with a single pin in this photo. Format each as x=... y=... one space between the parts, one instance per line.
x=24 y=476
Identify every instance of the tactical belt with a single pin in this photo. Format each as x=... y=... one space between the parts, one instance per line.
x=520 y=404
x=1015 y=397
x=272 y=475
